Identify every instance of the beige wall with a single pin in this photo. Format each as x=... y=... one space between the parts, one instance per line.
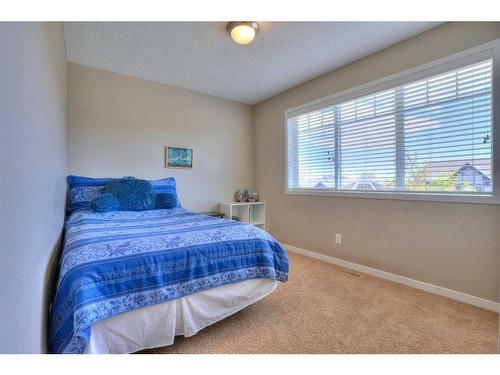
x=32 y=185
x=456 y=246
x=119 y=125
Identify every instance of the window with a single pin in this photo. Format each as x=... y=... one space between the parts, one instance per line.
x=428 y=136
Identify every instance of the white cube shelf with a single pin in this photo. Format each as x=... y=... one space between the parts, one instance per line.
x=254 y=213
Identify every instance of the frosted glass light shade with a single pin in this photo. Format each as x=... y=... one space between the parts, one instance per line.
x=242 y=32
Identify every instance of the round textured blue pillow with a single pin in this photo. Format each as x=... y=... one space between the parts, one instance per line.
x=105 y=203
x=132 y=193
x=166 y=200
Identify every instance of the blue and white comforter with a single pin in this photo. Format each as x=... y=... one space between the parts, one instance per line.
x=116 y=262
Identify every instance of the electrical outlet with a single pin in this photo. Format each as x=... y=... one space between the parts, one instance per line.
x=338 y=238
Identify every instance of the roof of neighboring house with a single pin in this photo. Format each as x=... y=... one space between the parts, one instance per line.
x=439 y=168
x=473 y=169
x=320 y=185
x=364 y=182
x=363 y=185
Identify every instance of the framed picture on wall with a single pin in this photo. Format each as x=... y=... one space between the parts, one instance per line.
x=178 y=157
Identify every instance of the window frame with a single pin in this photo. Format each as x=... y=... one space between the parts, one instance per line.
x=451 y=62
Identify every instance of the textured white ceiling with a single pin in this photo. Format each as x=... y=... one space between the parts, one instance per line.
x=201 y=56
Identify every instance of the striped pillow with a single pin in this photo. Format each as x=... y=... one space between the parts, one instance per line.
x=83 y=189
x=166 y=185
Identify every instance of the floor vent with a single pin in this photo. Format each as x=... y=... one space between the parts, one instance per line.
x=351 y=273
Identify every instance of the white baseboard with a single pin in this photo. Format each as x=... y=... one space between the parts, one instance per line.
x=431 y=288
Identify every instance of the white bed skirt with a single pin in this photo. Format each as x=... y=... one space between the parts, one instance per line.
x=157 y=325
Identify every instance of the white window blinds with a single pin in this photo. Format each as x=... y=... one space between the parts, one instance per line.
x=433 y=136
x=312 y=140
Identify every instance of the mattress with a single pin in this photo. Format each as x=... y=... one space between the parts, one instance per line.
x=157 y=325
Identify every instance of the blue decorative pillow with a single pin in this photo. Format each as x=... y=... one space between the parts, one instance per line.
x=105 y=203
x=133 y=194
x=83 y=189
x=166 y=185
x=166 y=200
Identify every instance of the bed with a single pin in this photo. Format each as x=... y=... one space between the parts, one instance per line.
x=134 y=280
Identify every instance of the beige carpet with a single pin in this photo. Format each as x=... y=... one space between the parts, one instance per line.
x=326 y=309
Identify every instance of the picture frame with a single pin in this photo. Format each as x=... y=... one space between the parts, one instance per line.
x=178 y=157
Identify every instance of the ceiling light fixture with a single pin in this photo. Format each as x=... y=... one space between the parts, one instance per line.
x=242 y=32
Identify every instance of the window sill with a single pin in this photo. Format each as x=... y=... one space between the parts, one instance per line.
x=406 y=196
